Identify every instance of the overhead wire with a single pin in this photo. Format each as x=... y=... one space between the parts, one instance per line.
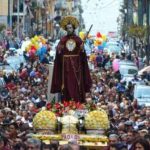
x=109 y=4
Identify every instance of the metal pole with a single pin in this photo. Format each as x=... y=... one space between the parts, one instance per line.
x=130 y=12
x=18 y=25
x=24 y=13
x=140 y=12
x=147 y=23
x=10 y=13
x=46 y=25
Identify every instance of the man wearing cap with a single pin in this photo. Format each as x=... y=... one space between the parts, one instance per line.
x=71 y=76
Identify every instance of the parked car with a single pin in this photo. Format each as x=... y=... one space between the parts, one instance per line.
x=145 y=69
x=128 y=70
x=142 y=94
x=127 y=62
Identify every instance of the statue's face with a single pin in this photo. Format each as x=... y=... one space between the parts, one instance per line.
x=69 y=29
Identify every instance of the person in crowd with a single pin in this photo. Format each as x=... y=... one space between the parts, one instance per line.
x=140 y=144
x=147 y=137
x=130 y=138
x=33 y=144
x=65 y=147
x=3 y=143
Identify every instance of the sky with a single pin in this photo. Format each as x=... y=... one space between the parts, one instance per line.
x=102 y=14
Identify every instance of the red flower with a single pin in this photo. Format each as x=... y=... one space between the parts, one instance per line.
x=57 y=106
x=81 y=106
x=70 y=103
x=66 y=104
x=78 y=105
x=49 y=106
x=59 y=113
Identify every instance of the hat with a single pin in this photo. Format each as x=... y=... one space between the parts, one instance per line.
x=7 y=109
x=113 y=136
x=144 y=130
x=124 y=135
x=69 y=20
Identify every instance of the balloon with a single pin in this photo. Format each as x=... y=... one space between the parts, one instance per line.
x=82 y=35
x=92 y=57
x=104 y=37
x=27 y=49
x=36 y=46
x=115 y=65
x=98 y=41
x=43 y=41
x=104 y=44
x=90 y=36
x=100 y=47
x=33 y=48
x=40 y=38
x=98 y=35
x=33 y=41
x=36 y=38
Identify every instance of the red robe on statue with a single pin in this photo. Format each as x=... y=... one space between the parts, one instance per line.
x=71 y=75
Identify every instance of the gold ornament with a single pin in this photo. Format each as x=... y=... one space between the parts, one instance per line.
x=97 y=119
x=69 y=20
x=44 y=120
x=69 y=124
x=70 y=44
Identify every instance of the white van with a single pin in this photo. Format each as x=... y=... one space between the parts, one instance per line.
x=142 y=94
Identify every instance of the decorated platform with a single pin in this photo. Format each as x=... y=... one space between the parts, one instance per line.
x=85 y=126
x=90 y=141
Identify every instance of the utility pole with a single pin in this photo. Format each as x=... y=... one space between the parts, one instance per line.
x=18 y=20
x=140 y=12
x=148 y=32
x=130 y=12
x=10 y=4
x=46 y=23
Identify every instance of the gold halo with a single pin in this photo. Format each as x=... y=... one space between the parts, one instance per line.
x=69 y=19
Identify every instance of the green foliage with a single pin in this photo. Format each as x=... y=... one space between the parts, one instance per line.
x=139 y=32
x=2 y=27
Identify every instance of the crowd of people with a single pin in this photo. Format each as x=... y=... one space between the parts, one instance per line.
x=129 y=122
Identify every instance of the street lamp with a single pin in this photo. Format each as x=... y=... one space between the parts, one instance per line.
x=147 y=36
x=18 y=18
x=46 y=21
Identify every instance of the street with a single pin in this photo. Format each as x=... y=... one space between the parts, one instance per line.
x=74 y=75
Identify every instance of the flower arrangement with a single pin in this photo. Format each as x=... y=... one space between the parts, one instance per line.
x=44 y=120
x=61 y=108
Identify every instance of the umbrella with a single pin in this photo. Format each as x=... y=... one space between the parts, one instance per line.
x=146 y=69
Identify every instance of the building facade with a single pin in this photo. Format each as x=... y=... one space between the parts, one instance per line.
x=3 y=11
x=30 y=17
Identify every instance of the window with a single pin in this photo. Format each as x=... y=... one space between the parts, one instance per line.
x=15 y=4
